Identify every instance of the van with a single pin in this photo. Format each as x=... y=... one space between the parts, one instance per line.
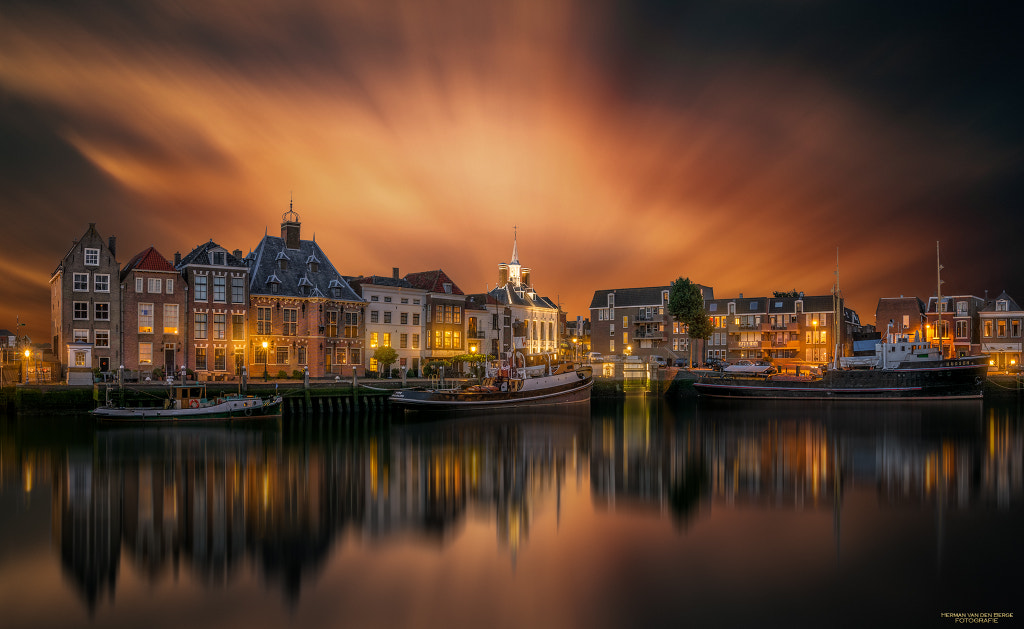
x=657 y=360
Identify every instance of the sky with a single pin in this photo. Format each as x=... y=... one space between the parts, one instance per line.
x=744 y=144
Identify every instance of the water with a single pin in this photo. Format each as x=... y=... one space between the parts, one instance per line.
x=631 y=514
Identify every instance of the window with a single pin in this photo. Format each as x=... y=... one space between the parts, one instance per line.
x=219 y=258
x=219 y=283
x=80 y=336
x=374 y=298
x=102 y=311
x=447 y=339
x=611 y=329
x=145 y=353
x=625 y=321
x=169 y=286
x=403 y=341
x=438 y=339
x=387 y=300
x=457 y=339
x=219 y=326
x=611 y=345
x=458 y=315
x=373 y=340
x=415 y=341
x=201 y=358
x=961 y=308
x=138 y=285
x=405 y=300
x=302 y=355
x=332 y=323
x=145 y=318
x=259 y=355
x=81 y=282
x=200 y=326
x=200 y=292
x=220 y=359
x=386 y=339
x=81 y=310
x=263 y=320
x=355 y=357
x=387 y=317
x=102 y=283
x=237 y=327
x=92 y=257
x=374 y=316
x=282 y=354
x=415 y=302
x=1001 y=306
x=102 y=338
x=439 y=314
x=1000 y=328
x=1015 y=328
x=351 y=325
x=237 y=290
x=625 y=338
x=154 y=285
x=988 y=329
x=291 y=318
x=170 y=318
x=415 y=318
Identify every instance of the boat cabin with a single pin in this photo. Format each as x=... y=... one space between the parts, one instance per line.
x=188 y=396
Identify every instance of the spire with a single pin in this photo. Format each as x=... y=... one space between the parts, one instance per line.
x=515 y=245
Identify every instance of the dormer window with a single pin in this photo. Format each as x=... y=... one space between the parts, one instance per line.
x=282 y=261
x=448 y=288
x=1002 y=305
x=304 y=286
x=219 y=258
x=336 y=292
x=273 y=283
x=664 y=296
x=961 y=308
x=313 y=264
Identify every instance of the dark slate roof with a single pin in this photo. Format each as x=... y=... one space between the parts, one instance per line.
x=433 y=281
x=147 y=260
x=1012 y=306
x=376 y=280
x=636 y=297
x=263 y=268
x=201 y=255
x=506 y=295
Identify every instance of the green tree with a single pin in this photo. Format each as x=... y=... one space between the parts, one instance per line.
x=786 y=293
x=686 y=305
x=385 y=357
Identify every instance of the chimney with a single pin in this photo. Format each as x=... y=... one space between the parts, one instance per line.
x=112 y=245
x=177 y=258
x=394 y=272
x=237 y=253
x=502 y=275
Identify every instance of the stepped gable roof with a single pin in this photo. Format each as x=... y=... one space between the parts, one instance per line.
x=1011 y=306
x=201 y=255
x=264 y=269
x=147 y=260
x=90 y=231
x=433 y=281
x=648 y=296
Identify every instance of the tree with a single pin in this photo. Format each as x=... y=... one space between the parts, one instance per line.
x=786 y=293
x=686 y=305
x=385 y=356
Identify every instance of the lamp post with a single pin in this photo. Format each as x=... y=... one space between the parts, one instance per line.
x=24 y=364
x=265 y=345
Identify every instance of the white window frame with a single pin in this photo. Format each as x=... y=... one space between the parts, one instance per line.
x=169 y=286
x=92 y=257
x=104 y=279
x=96 y=312
x=80 y=279
x=154 y=285
x=139 y=285
x=101 y=334
x=75 y=308
x=148 y=345
x=80 y=335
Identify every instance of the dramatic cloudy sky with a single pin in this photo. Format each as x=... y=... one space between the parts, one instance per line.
x=735 y=142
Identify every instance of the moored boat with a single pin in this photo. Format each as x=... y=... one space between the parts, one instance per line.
x=189 y=403
x=900 y=369
x=566 y=383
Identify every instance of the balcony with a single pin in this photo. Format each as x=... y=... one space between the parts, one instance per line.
x=475 y=334
x=652 y=335
x=784 y=327
x=649 y=318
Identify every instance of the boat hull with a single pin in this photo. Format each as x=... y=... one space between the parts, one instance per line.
x=952 y=379
x=568 y=392
x=245 y=408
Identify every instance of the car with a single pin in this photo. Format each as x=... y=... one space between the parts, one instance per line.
x=657 y=360
x=716 y=364
x=680 y=362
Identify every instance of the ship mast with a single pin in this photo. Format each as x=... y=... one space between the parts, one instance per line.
x=837 y=316
x=938 y=299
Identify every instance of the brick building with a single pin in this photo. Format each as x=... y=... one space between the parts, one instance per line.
x=444 y=321
x=85 y=307
x=153 y=304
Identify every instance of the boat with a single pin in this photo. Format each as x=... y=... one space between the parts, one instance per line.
x=190 y=403
x=757 y=367
x=901 y=368
x=504 y=387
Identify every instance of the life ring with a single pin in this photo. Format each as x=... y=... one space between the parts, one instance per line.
x=193 y=403
x=248 y=412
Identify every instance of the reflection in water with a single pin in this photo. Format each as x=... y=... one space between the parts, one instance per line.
x=208 y=501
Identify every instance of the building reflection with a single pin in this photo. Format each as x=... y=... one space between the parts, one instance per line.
x=212 y=502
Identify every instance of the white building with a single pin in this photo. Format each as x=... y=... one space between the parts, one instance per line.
x=395 y=317
x=526 y=314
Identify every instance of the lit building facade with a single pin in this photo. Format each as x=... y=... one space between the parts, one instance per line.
x=153 y=299
x=394 y=318
x=1001 y=323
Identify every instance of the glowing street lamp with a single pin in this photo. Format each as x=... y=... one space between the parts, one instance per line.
x=265 y=345
x=814 y=339
x=28 y=354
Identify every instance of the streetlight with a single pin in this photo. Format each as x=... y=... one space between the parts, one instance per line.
x=28 y=354
x=265 y=345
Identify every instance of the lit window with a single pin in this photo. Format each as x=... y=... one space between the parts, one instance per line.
x=145 y=353
x=102 y=338
x=386 y=340
x=373 y=340
x=170 y=318
x=145 y=318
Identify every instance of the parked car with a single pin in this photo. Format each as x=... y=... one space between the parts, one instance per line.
x=680 y=362
x=716 y=364
x=657 y=360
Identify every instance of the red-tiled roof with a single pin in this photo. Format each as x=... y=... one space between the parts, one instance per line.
x=149 y=260
x=433 y=281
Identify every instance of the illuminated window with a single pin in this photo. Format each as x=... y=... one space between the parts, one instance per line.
x=386 y=339
x=145 y=353
x=988 y=329
x=415 y=341
x=79 y=359
x=332 y=323
x=201 y=358
x=170 y=318
x=373 y=340
x=1000 y=328
x=447 y=339
x=145 y=318
x=102 y=338
x=438 y=339
x=457 y=339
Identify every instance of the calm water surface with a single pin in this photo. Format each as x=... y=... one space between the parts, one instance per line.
x=629 y=514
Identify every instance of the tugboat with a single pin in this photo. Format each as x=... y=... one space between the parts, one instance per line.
x=510 y=385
